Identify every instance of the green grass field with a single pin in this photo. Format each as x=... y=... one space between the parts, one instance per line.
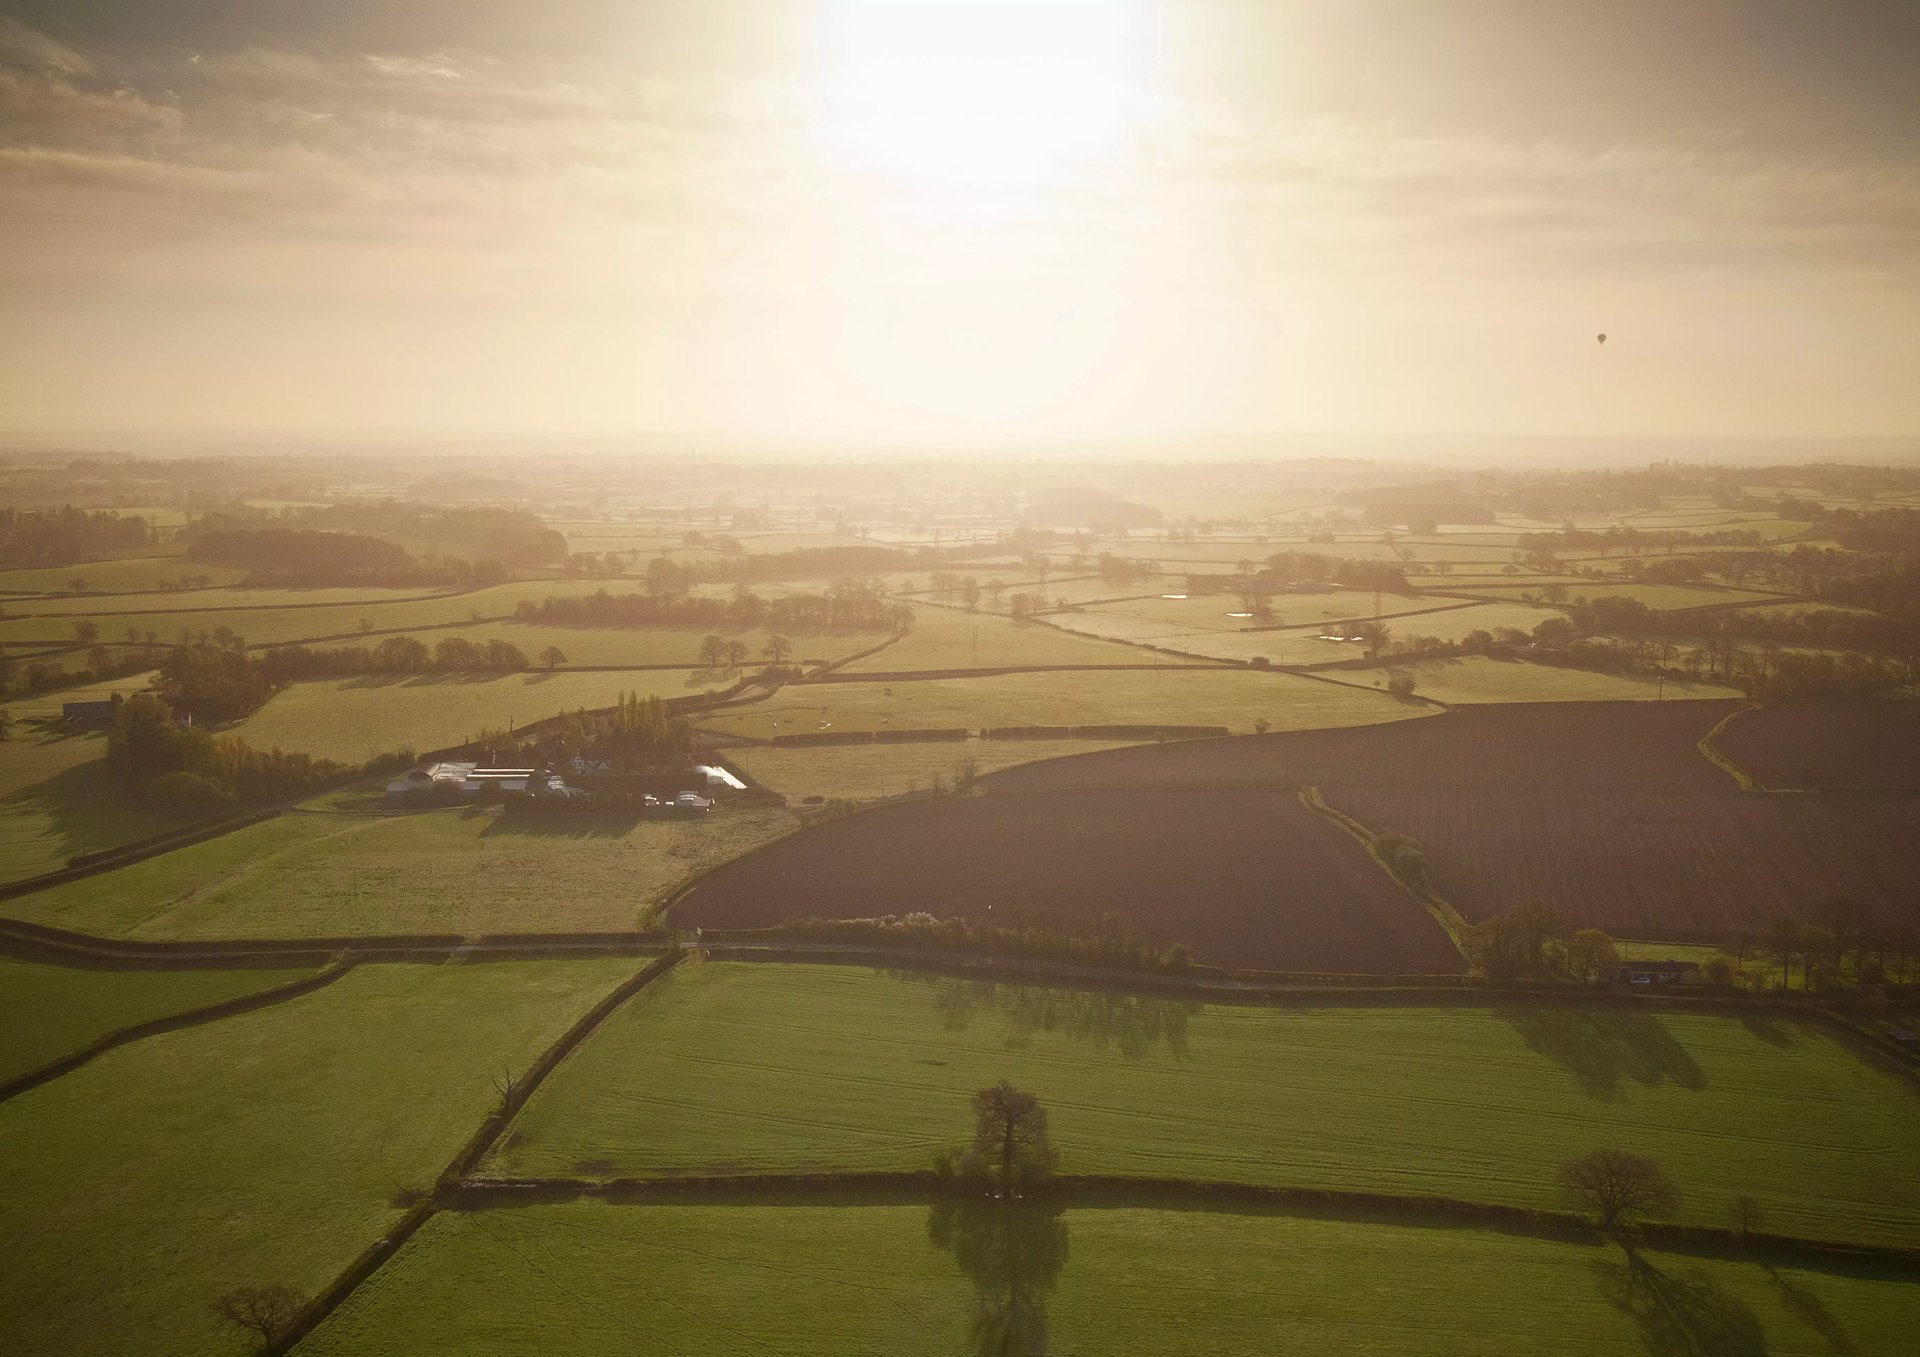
x=47 y=1012
x=598 y=647
x=835 y=1280
x=738 y=1066
x=947 y=638
x=320 y=874
x=263 y=1149
x=863 y=772
x=223 y=598
x=1659 y=597
x=354 y=719
x=56 y=800
x=1481 y=678
x=131 y=575
x=1235 y=698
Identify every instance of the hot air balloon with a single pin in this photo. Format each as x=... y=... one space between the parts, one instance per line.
x=1603 y=339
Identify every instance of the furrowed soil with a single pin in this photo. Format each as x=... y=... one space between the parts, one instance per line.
x=1247 y=879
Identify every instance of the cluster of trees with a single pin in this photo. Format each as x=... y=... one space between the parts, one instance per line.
x=1843 y=945
x=400 y=655
x=847 y=605
x=44 y=537
x=213 y=680
x=141 y=653
x=1308 y=567
x=303 y=558
x=638 y=734
x=1534 y=939
x=155 y=759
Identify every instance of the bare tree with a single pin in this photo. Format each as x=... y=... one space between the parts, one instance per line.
x=713 y=651
x=736 y=652
x=1010 y=1131
x=777 y=648
x=1618 y=1186
x=553 y=656
x=268 y=1312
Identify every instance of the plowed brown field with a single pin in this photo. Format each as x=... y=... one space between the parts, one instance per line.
x=1871 y=744
x=1245 y=878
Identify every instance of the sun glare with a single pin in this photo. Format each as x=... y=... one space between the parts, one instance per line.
x=983 y=95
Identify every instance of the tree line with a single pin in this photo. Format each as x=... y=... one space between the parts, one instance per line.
x=51 y=537
x=847 y=605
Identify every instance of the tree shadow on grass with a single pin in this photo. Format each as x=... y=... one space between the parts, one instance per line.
x=1690 y=1316
x=1132 y=1024
x=1770 y=1030
x=1012 y=1251
x=1807 y=1307
x=1604 y=1048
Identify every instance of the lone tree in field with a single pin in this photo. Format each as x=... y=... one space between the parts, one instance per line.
x=552 y=657
x=777 y=648
x=713 y=651
x=269 y=1312
x=1617 y=1186
x=1010 y=1138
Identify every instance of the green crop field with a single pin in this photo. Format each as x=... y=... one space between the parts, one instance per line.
x=168 y=617
x=1235 y=698
x=803 y=1068
x=322 y=874
x=354 y=719
x=856 y=1280
x=132 y=575
x=862 y=772
x=1481 y=678
x=268 y=1148
x=946 y=638
x=47 y=1012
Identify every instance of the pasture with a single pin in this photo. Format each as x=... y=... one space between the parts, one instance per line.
x=56 y=800
x=863 y=772
x=1245 y=879
x=852 y=1279
x=756 y=1067
x=1659 y=597
x=624 y=648
x=47 y=1012
x=466 y=872
x=1234 y=698
x=1484 y=678
x=354 y=719
x=135 y=574
x=269 y=1148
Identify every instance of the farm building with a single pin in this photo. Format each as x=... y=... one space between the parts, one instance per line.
x=450 y=781
x=1658 y=972
x=90 y=715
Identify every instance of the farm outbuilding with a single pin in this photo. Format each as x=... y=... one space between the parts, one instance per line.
x=1658 y=972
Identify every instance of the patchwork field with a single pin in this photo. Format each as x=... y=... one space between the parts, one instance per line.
x=1846 y=745
x=1235 y=698
x=863 y=772
x=615 y=647
x=466 y=872
x=47 y=1012
x=1252 y=880
x=1659 y=597
x=877 y=1280
x=731 y=1067
x=947 y=638
x=263 y=1149
x=354 y=719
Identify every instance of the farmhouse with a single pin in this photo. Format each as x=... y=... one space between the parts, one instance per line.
x=1658 y=972
x=449 y=781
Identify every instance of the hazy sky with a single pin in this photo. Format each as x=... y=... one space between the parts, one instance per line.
x=952 y=221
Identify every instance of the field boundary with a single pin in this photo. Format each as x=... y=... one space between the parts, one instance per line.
x=1103 y=1191
x=173 y=1022
x=1436 y=904
x=1713 y=754
x=511 y=1101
